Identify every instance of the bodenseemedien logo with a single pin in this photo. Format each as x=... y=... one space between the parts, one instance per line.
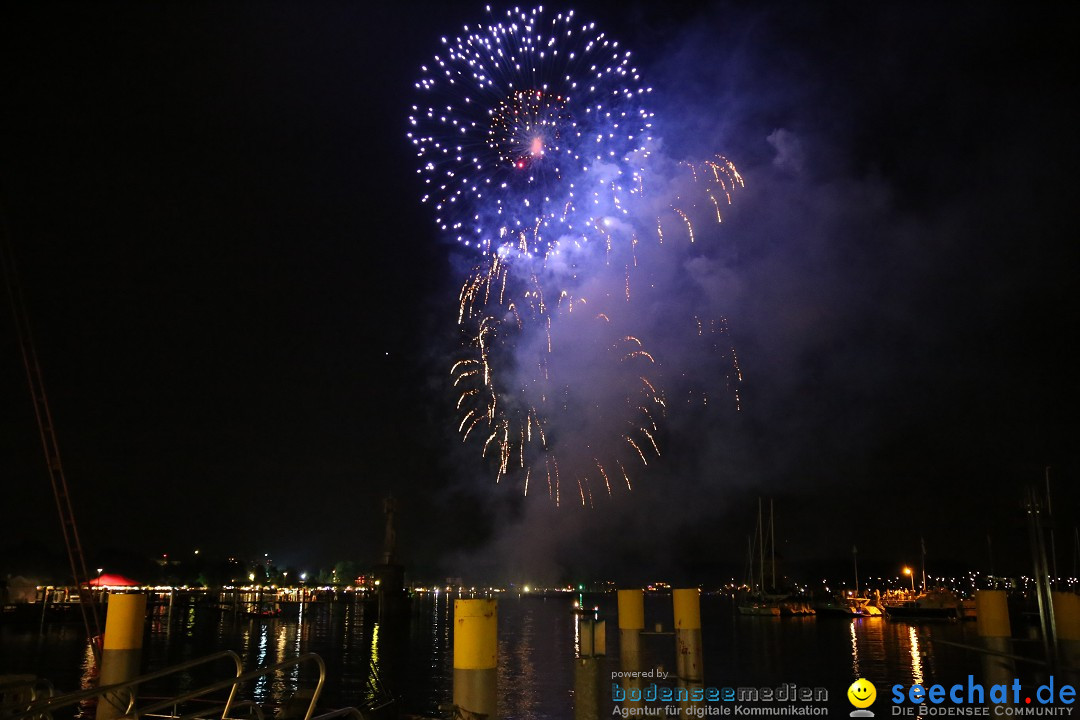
x=862 y=694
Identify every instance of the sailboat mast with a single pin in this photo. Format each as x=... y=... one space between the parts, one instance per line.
x=750 y=560
x=922 y=541
x=1050 y=522
x=761 y=546
x=772 y=544
x=855 y=557
x=1076 y=548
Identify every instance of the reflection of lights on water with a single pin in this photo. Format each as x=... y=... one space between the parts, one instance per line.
x=261 y=683
x=854 y=650
x=375 y=645
x=89 y=669
x=521 y=671
x=916 y=657
x=245 y=639
x=436 y=644
x=281 y=641
x=447 y=625
x=264 y=639
x=293 y=673
x=299 y=633
x=88 y=679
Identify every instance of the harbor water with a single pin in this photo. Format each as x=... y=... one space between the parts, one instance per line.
x=537 y=640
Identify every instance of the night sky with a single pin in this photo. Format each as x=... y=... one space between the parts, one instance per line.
x=244 y=315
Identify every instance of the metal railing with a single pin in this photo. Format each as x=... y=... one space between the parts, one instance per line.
x=18 y=690
x=33 y=687
x=44 y=708
x=235 y=683
x=349 y=711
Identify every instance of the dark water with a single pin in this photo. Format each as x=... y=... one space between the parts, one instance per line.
x=537 y=644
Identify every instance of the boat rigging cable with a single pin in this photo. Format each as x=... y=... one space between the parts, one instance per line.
x=87 y=603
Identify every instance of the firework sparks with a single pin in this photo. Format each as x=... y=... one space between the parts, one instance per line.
x=533 y=137
x=523 y=121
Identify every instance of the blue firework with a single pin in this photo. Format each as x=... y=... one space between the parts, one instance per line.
x=528 y=131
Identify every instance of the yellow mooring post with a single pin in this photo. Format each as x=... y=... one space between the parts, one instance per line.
x=1067 y=621
x=475 y=656
x=121 y=651
x=591 y=647
x=995 y=632
x=631 y=623
x=688 y=664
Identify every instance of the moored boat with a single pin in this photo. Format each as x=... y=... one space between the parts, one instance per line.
x=933 y=605
x=847 y=606
x=762 y=607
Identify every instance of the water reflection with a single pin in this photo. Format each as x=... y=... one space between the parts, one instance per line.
x=262 y=685
x=872 y=648
x=89 y=676
x=189 y=622
x=854 y=650
x=521 y=669
x=916 y=656
x=537 y=648
x=538 y=639
x=298 y=633
x=375 y=645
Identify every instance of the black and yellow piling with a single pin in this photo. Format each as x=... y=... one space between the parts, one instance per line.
x=1067 y=621
x=475 y=656
x=995 y=632
x=592 y=645
x=592 y=637
x=631 y=624
x=121 y=651
x=688 y=664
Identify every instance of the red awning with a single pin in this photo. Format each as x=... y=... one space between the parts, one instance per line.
x=108 y=580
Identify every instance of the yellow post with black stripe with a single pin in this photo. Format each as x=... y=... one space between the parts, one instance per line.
x=121 y=651
x=475 y=657
x=995 y=632
x=592 y=646
x=1067 y=622
x=631 y=623
x=688 y=665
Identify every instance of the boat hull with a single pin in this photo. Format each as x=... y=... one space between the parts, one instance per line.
x=914 y=612
x=760 y=610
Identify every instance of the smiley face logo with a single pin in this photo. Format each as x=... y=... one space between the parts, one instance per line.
x=862 y=693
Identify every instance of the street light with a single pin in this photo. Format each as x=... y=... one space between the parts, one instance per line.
x=907 y=571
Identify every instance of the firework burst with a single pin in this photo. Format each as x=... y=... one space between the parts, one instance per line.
x=533 y=138
x=538 y=374
x=527 y=130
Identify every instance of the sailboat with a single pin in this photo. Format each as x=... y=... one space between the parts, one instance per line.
x=756 y=601
x=852 y=604
x=940 y=603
